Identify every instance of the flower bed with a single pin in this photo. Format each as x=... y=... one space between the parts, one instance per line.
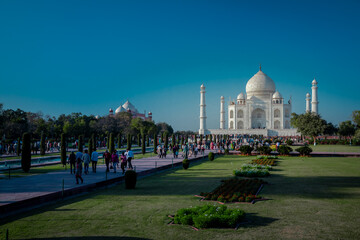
x=209 y=217
x=264 y=161
x=235 y=190
x=252 y=170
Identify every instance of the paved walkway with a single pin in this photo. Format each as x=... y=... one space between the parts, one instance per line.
x=23 y=188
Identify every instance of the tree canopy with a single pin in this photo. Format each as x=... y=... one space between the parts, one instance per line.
x=308 y=124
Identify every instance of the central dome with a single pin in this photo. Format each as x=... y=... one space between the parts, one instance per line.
x=261 y=84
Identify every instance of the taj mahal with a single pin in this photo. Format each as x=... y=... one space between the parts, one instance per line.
x=261 y=111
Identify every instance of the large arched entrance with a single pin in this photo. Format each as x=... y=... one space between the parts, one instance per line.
x=258 y=118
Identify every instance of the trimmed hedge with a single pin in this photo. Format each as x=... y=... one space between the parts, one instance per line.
x=186 y=163
x=265 y=150
x=246 y=149
x=211 y=156
x=26 y=152
x=284 y=150
x=209 y=216
x=304 y=151
x=130 y=179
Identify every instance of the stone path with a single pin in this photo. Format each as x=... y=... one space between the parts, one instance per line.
x=24 y=188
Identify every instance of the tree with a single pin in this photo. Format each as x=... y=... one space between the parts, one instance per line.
x=128 y=141
x=18 y=150
x=111 y=143
x=162 y=127
x=211 y=138
x=63 y=149
x=166 y=140
x=119 y=140
x=42 y=144
x=346 y=128
x=161 y=137
x=356 y=118
x=81 y=143
x=139 y=139
x=308 y=124
x=93 y=140
x=201 y=139
x=195 y=139
x=90 y=148
x=26 y=152
x=330 y=129
x=173 y=140
x=155 y=143
x=143 y=147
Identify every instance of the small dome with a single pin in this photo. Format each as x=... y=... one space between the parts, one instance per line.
x=202 y=86
x=222 y=97
x=128 y=106
x=120 y=109
x=150 y=113
x=110 y=110
x=314 y=82
x=241 y=96
x=97 y=117
x=276 y=95
x=308 y=95
x=260 y=83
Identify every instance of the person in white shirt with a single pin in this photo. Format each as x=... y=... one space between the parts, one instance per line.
x=129 y=156
x=94 y=160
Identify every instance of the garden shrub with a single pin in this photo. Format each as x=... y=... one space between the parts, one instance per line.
x=63 y=149
x=185 y=163
x=289 y=142
x=304 y=151
x=284 y=150
x=226 y=151
x=246 y=149
x=211 y=156
x=264 y=150
x=130 y=179
x=26 y=152
x=209 y=216
x=251 y=172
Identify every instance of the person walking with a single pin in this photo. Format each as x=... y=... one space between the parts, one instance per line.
x=78 y=171
x=114 y=160
x=86 y=160
x=72 y=160
x=94 y=160
x=107 y=157
x=123 y=162
x=129 y=156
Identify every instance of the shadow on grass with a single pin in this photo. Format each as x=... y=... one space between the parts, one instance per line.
x=253 y=221
x=97 y=237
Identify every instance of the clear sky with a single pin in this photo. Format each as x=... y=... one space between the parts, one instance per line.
x=88 y=56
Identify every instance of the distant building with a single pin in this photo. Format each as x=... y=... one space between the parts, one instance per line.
x=130 y=108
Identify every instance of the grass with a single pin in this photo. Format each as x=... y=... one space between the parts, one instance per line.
x=334 y=148
x=311 y=198
x=33 y=171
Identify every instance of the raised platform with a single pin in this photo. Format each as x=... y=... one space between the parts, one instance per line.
x=264 y=132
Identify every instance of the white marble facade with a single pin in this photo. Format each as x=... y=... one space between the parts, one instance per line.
x=262 y=110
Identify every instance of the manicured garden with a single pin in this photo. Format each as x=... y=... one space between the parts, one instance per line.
x=315 y=198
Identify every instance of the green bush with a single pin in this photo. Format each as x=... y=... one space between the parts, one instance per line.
x=26 y=152
x=143 y=146
x=63 y=149
x=111 y=143
x=42 y=144
x=304 y=151
x=155 y=143
x=226 y=151
x=289 y=142
x=185 y=163
x=284 y=150
x=209 y=216
x=265 y=150
x=130 y=179
x=211 y=156
x=128 y=139
x=246 y=149
x=81 y=143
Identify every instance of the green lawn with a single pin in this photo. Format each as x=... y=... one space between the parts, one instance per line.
x=334 y=148
x=311 y=198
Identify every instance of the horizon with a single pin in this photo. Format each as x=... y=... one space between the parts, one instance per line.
x=89 y=56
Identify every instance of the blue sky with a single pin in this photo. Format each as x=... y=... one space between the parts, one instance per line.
x=88 y=56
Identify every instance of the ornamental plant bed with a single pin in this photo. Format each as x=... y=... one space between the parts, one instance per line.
x=252 y=170
x=209 y=216
x=264 y=161
x=235 y=190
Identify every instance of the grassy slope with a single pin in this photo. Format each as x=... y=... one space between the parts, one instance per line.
x=311 y=198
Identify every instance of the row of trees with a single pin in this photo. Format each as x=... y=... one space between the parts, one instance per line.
x=310 y=124
x=15 y=122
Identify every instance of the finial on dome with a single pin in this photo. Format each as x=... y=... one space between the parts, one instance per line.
x=260 y=67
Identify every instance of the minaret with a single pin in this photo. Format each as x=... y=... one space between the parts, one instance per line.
x=308 y=102
x=202 y=129
x=314 y=102
x=222 y=113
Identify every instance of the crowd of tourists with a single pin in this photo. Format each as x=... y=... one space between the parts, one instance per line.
x=80 y=162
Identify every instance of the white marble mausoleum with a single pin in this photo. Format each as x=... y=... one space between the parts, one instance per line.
x=262 y=110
